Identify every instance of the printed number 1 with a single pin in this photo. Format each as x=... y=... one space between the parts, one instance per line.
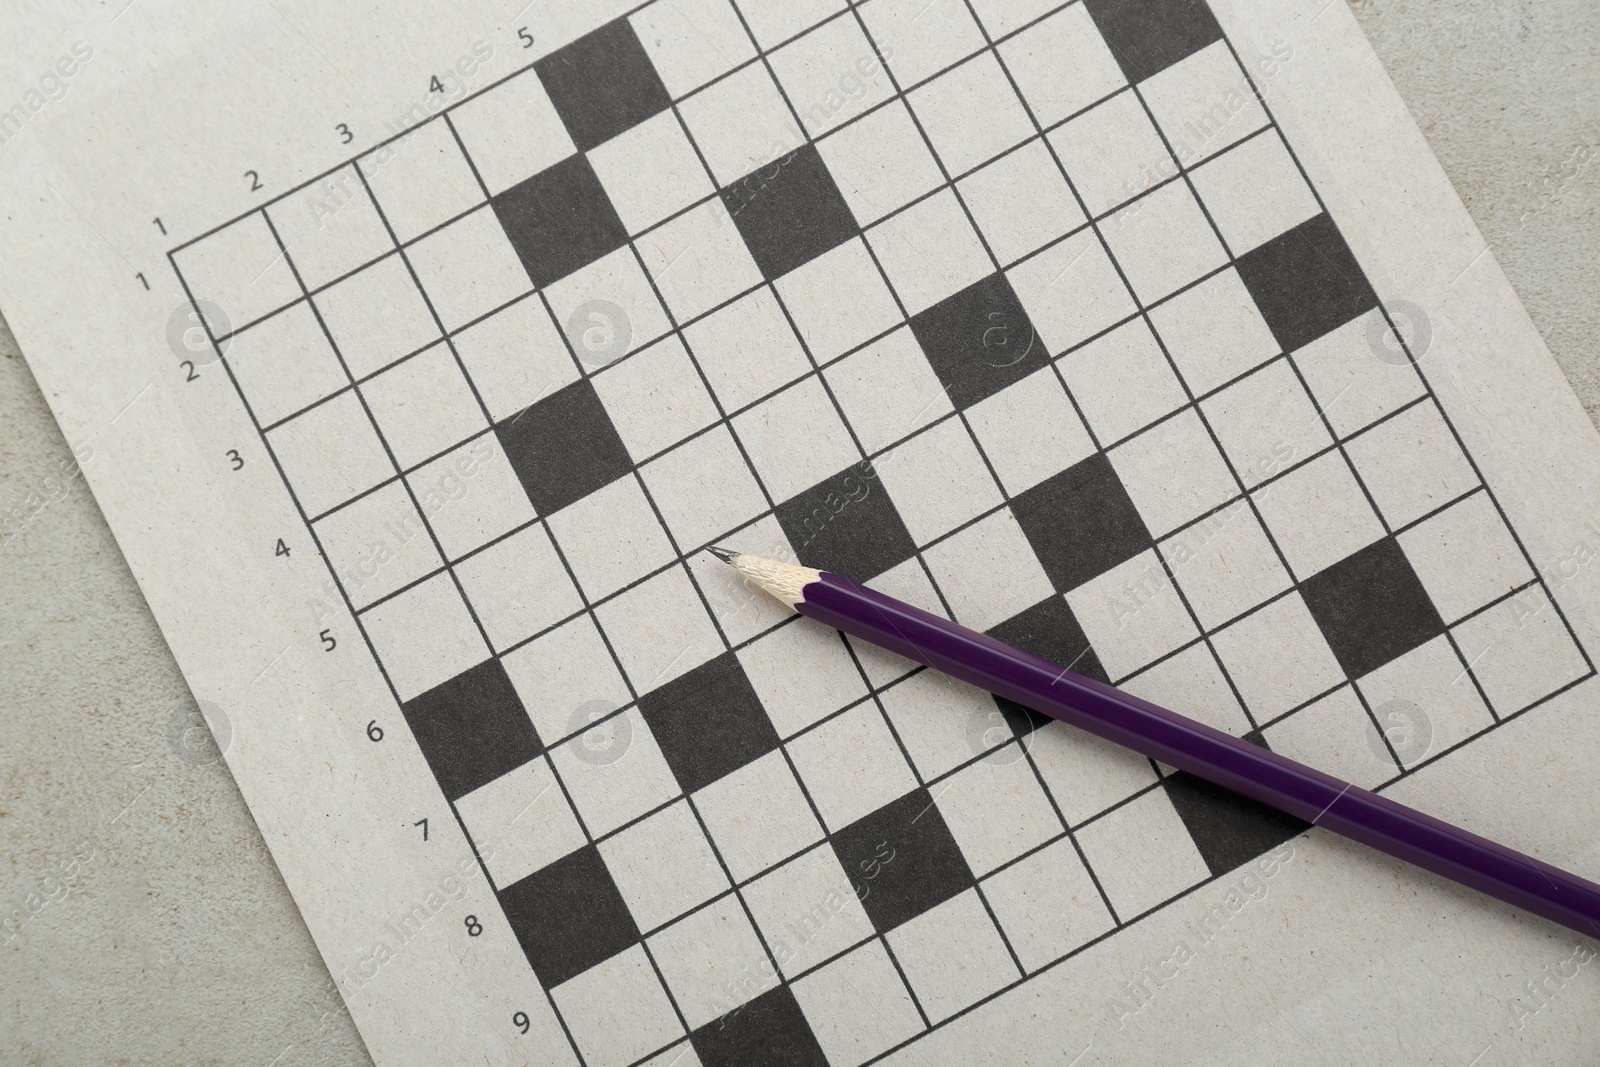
x=424 y=824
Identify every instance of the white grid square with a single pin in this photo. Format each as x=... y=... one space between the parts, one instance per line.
x=1501 y=642
x=1132 y=614
x=424 y=636
x=611 y=1038
x=758 y=816
x=1086 y=775
x=1411 y=464
x=857 y=1006
x=698 y=260
x=1071 y=291
x=518 y=586
x=370 y=342
x=1002 y=17
x=655 y=398
x=775 y=21
x=1277 y=657
x=1254 y=192
x=943 y=722
x=880 y=163
x=808 y=911
x=424 y=406
x=1425 y=701
x=988 y=571
x=1163 y=241
x=1203 y=103
x=515 y=357
x=1350 y=383
x=831 y=74
x=1047 y=905
x=611 y=538
x=1112 y=153
x=512 y=132
x=971 y=114
x=616 y=279
x=802 y=674
x=612 y=789
x=651 y=171
x=421 y=180
x=1122 y=381
x=938 y=481
x=795 y=439
x=952 y=956
x=1066 y=41
x=1224 y=564
x=1173 y=473
x=1465 y=556
x=242 y=270
x=740 y=123
x=1192 y=683
x=996 y=811
x=377 y=544
x=723 y=343
x=922 y=37
x=691 y=42
x=703 y=489
x=1142 y=854
x=929 y=251
x=887 y=390
x=851 y=765
x=663 y=865
x=470 y=496
x=520 y=822
x=711 y=957
x=1335 y=736
x=1029 y=431
x=1263 y=418
x=468 y=268
x=839 y=300
x=284 y=364
x=659 y=629
x=1021 y=201
x=1214 y=331
x=563 y=677
x=330 y=453
x=1317 y=514
x=330 y=228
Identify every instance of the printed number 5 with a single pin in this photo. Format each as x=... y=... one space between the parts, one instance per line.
x=525 y=37
x=328 y=642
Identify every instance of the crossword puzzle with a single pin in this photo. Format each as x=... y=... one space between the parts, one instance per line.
x=1026 y=313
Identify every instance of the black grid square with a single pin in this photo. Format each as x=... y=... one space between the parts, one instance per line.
x=769 y=1031
x=790 y=217
x=1306 y=282
x=472 y=729
x=1371 y=607
x=709 y=722
x=563 y=447
x=569 y=916
x=902 y=860
x=1081 y=523
x=1051 y=631
x=602 y=84
x=979 y=341
x=1148 y=36
x=560 y=220
x=1228 y=829
x=834 y=528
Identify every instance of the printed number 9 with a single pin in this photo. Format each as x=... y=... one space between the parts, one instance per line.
x=520 y=1021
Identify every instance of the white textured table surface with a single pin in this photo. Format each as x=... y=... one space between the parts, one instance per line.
x=173 y=940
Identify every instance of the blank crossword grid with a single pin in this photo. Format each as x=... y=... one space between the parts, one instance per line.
x=1024 y=312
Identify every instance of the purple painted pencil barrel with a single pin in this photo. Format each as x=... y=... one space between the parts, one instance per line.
x=1228 y=761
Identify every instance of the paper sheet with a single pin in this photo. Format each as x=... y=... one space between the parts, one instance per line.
x=415 y=356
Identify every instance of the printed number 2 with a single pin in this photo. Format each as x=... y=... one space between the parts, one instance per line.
x=255 y=181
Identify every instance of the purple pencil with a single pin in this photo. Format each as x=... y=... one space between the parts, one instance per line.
x=1181 y=742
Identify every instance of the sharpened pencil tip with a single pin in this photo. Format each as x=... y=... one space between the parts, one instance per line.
x=726 y=555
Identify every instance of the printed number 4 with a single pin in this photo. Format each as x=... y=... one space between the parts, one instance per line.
x=282 y=549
